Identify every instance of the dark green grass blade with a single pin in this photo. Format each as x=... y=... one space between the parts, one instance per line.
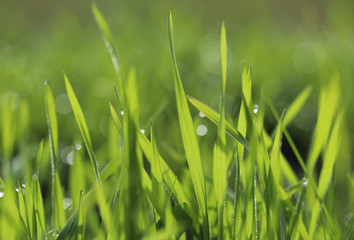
x=58 y=216
x=81 y=122
x=189 y=138
x=213 y=116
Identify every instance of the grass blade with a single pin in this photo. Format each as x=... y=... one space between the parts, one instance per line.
x=220 y=166
x=189 y=138
x=213 y=116
x=58 y=216
x=81 y=122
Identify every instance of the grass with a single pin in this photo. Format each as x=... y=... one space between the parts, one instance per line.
x=252 y=192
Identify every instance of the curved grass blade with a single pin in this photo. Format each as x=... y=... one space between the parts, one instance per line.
x=189 y=138
x=58 y=216
x=213 y=116
x=81 y=122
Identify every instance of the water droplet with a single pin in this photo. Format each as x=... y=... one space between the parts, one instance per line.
x=305 y=181
x=255 y=108
x=2 y=194
x=77 y=146
x=17 y=187
x=23 y=183
x=122 y=112
x=67 y=203
x=53 y=234
x=202 y=115
x=70 y=158
x=142 y=131
x=202 y=130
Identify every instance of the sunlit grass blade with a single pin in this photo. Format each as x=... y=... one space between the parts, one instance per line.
x=58 y=216
x=213 y=116
x=328 y=105
x=220 y=166
x=107 y=36
x=81 y=122
x=189 y=138
x=327 y=170
x=37 y=197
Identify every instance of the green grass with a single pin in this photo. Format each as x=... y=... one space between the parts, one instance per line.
x=250 y=191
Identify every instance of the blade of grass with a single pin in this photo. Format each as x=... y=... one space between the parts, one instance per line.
x=220 y=166
x=81 y=122
x=58 y=216
x=213 y=116
x=189 y=138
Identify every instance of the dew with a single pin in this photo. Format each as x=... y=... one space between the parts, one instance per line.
x=23 y=183
x=305 y=181
x=53 y=234
x=67 y=203
x=202 y=115
x=202 y=130
x=62 y=104
x=142 y=131
x=122 y=112
x=17 y=187
x=2 y=194
x=78 y=146
x=70 y=158
x=255 y=108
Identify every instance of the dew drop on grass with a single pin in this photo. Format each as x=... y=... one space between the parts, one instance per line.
x=202 y=115
x=53 y=234
x=202 y=130
x=122 y=112
x=67 y=203
x=2 y=194
x=255 y=108
x=305 y=181
x=23 y=183
x=77 y=146
x=17 y=187
x=142 y=131
x=70 y=158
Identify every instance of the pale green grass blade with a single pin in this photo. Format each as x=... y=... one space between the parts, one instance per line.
x=37 y=197
x=131 y=89
x=58 y=216
x=74 y=227
x=189 y=139
x=331 y=155
x=275 y=153
x=10 y=220
x=115 y=118
x=220 y=166
x=328 y=105
x=107 y=36
x=242 y=128
x=296 y=105
x=213 y=116
x=81 y=122
x=80 y=224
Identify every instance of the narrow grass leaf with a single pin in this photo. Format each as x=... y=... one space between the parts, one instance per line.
x=81 y=122
x=189 y=138
x=58 y=216
x=213 y=116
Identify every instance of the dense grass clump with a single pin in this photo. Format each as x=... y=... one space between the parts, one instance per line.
x=249 y=191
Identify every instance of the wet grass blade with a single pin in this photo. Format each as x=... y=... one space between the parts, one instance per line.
x=213 y=116
x=58 y=216
x=189 y=138
x=81 y=122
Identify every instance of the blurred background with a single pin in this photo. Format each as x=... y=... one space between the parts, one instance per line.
x=288 y=44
